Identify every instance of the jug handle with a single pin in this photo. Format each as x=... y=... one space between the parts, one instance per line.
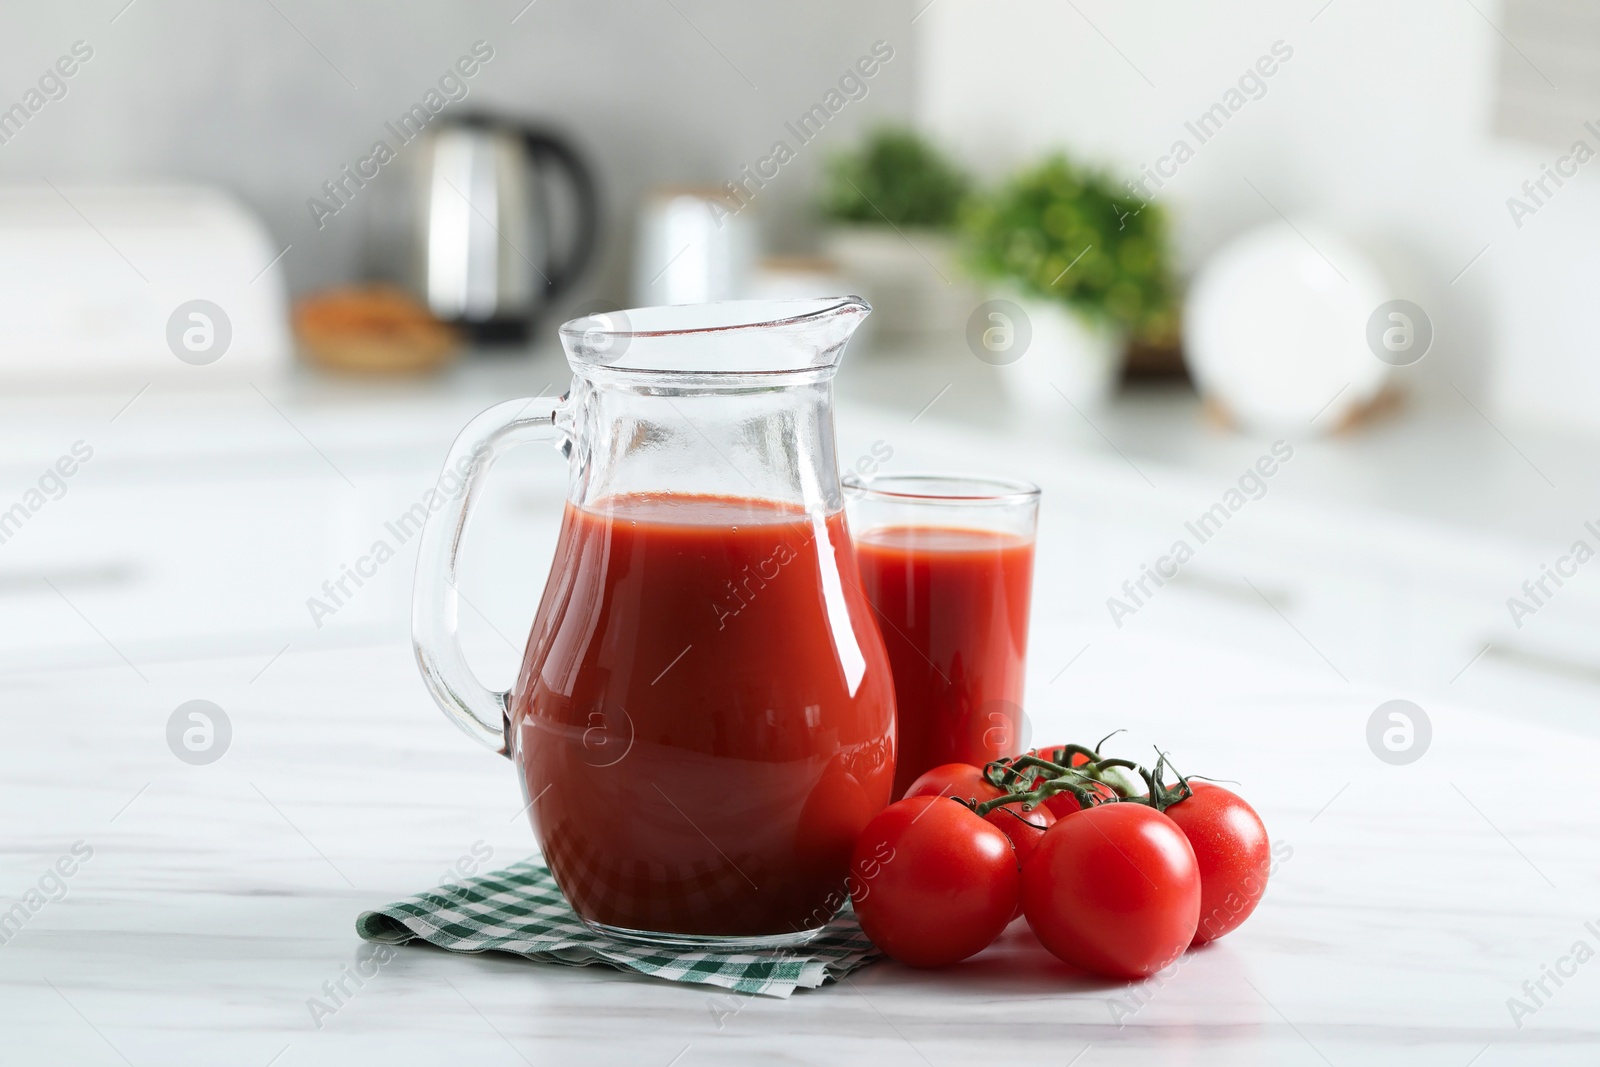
x=480 y=711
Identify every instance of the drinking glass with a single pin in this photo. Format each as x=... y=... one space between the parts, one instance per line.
x=947 y=563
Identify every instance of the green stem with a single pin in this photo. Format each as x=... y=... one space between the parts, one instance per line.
x=1031 y=779
x=1068 y=781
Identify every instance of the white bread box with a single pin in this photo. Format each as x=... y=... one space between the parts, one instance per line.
x=100 y=286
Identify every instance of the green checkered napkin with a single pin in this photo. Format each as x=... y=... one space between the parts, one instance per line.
x=520 y=910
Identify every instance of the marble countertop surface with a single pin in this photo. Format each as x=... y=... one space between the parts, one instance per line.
x=208 y=904
x=1443 y=912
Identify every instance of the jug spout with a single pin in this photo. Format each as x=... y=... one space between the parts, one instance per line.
x=731 y=400
x=716 y=341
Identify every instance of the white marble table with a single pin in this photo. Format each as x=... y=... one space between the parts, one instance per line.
x=220 y=898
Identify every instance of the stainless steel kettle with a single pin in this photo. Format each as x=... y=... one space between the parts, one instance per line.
x=485 y=255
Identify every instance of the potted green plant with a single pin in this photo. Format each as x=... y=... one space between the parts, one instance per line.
x=1089 y=265
x=893 y=205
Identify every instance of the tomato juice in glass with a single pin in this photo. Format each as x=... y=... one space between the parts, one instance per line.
x=704 y=655
x=947 y=563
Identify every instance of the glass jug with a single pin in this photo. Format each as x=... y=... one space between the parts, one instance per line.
x=704 y=717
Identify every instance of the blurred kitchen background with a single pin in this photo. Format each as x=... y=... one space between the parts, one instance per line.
x=1120 y=249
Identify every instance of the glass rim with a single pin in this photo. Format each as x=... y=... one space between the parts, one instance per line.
x=816 y=329
x=918 y=487
x=717 y=317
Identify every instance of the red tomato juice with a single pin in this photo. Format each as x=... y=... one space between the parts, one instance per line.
x=952 y=605
x=704 y=716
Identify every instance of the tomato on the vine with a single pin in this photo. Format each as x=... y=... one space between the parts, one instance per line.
x=1061 y=805
x=1233 y=853
x=1023 y=828
x=1114 y=890
x=953 y=780
x=1077 y=759
x=932 y=882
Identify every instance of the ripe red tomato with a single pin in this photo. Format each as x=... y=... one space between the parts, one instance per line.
x=953 y=780
x=932 y=883
x=1231 y=847
x=1023 y=828
x=1114 y=890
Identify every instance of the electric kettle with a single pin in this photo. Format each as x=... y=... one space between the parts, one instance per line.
x=489 y=254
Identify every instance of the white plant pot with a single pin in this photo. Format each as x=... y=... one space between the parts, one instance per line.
x=913 y=279
x=1067 y=358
